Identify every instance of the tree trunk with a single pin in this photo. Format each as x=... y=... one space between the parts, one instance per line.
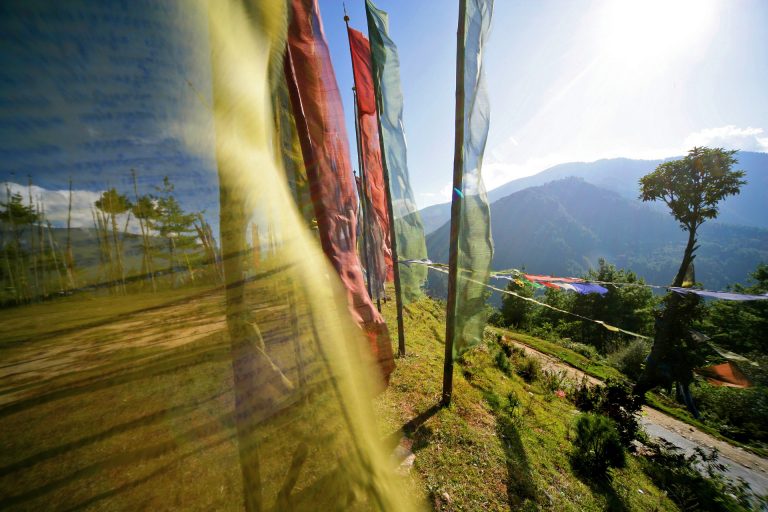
x=69 y=258
x=688 y=257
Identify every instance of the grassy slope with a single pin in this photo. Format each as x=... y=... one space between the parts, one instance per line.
x=603 y=371
x=472 y=457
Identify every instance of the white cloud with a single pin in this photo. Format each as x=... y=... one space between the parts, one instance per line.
x=56 y=204
x=729 y=137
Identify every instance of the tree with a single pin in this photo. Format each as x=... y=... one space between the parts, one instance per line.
x=111 y=204
x=173 y=224
x=515 y=310
x=692 y=188
x=144 y=210
x=628 y=306
x=16 y=216
x=740 y=326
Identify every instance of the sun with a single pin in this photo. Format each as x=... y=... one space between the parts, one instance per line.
x=654 y=31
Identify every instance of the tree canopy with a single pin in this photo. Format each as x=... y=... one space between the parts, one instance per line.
x=693 y=186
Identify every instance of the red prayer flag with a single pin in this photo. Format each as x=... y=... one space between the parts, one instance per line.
x=371 y=147
x=319 y=117
x=725 y=374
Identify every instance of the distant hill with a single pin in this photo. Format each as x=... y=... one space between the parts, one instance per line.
x=563 y=227
x=621 y=175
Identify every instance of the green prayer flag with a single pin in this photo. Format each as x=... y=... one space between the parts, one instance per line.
x=409 y=231
x=475 y=244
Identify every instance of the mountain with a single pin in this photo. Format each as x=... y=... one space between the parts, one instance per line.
x=565 y=226
x=621 y=175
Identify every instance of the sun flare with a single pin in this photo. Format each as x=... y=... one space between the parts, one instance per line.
x=654 y=30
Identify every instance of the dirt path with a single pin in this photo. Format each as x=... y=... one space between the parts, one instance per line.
x=739 y=462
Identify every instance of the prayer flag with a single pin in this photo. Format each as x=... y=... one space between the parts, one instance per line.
x=475 y=245
x=409 y=230
x=319 y=118
x=381 y=252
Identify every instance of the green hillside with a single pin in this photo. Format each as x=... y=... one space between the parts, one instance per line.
x=481 y=455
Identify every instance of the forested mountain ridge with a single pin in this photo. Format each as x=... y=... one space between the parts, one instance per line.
x=621 y=175
x=564 y=227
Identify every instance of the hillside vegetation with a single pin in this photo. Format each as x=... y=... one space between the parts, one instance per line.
x=504 y=443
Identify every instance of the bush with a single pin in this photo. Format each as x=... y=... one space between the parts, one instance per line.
x=587 y=351
x=586 y=398
x=629 y=359
x=613 y=400
x=554 y=380
x=741 y=414
x=597 y=446
x=502 y=362
x=496 y=319
x=529 y=369
x=622 y=406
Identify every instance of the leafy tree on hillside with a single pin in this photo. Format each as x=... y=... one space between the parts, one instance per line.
x=740 y=326
x=692 y=188
x=515 y=311
x=630 y=307
x=111 y=204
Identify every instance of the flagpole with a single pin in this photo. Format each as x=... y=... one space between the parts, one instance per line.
x=392 y=237
x=458 y=174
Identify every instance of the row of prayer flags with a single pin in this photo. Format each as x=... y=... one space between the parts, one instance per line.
x=319 y=117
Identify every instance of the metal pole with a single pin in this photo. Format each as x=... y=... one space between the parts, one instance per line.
x=458 y=175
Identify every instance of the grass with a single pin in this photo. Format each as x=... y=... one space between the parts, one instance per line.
x=482 y=453
x=597 y=369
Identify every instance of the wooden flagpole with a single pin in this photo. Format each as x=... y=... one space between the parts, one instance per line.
x=458 y=178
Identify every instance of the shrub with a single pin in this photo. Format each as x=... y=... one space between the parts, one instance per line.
x=502 y=362
x=614 y=400
x=529 y=369
x=741 y=414
x=629 y=359
x=553 y=380
x=597 y=446
x=622 y=406
x=587 y=351
x=496 y=319
x=586 y=398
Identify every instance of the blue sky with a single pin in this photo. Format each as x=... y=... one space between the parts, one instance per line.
x=575 y=81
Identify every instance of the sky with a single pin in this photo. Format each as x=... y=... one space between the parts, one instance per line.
x=574 y=81
x=568 y=81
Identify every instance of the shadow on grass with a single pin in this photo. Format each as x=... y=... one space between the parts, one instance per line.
x=414 y=429
x=158 y=472
x=520 y=485
x=602 y=485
